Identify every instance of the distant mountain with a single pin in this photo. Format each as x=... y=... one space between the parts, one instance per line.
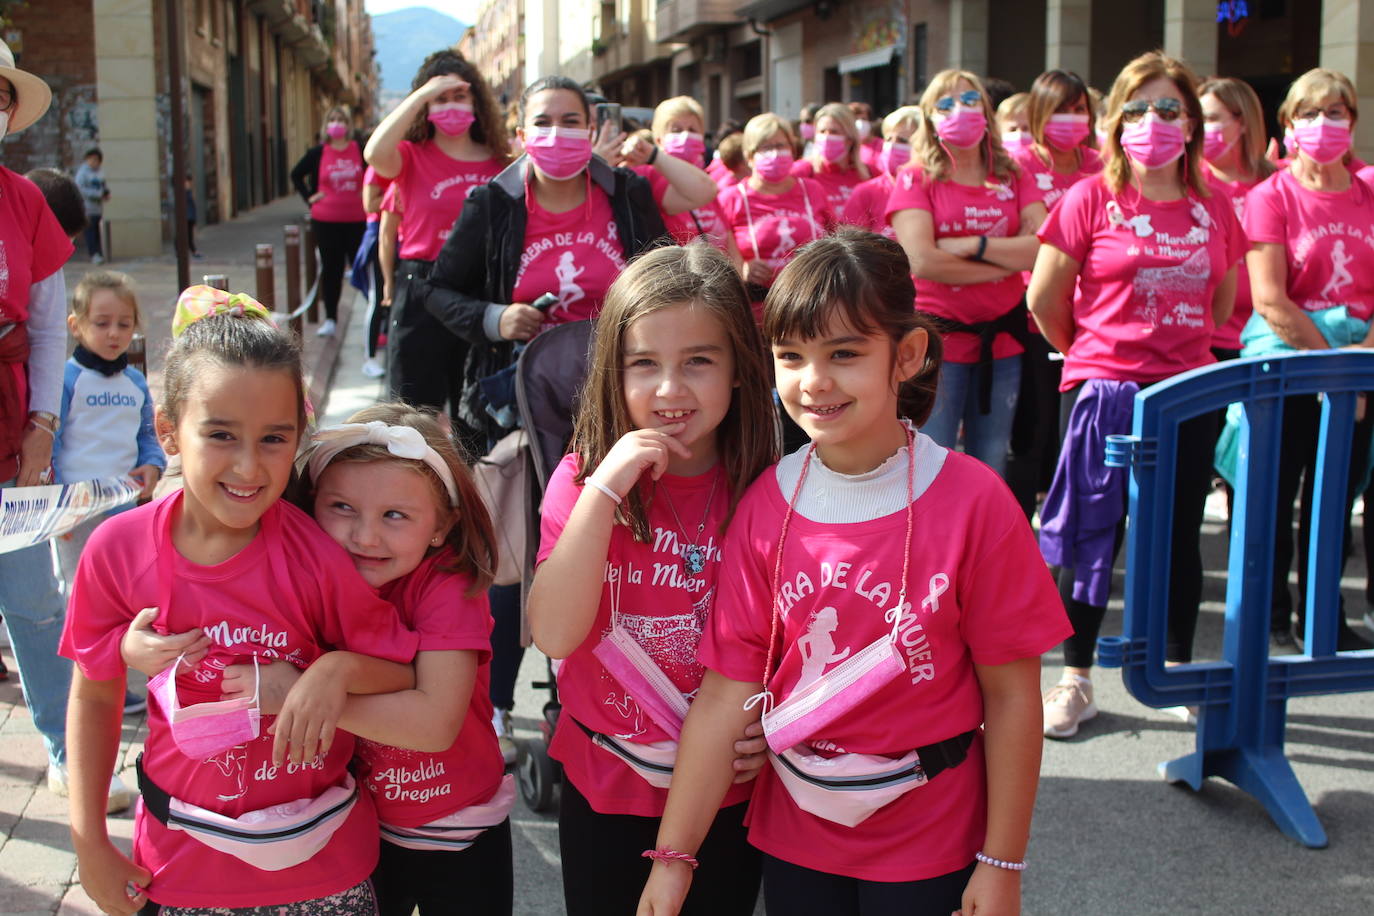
x=404 y=38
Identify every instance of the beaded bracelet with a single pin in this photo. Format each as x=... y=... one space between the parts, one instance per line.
x=664 y=854
x=1000 y=863
x=611 y=494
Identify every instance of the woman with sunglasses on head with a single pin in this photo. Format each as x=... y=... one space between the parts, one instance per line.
x=445 y=138
x=967 y=219
x=1312 y=280
x=835 y=160
x=1136 y=271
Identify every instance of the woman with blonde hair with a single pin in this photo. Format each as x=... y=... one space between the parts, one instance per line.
x=1136 y=269
x=867 y=206
x=967 y=221
x=1012 y=123
x=1233 y=145
x=836 y=158
x=1312 y=280
x=772 y=212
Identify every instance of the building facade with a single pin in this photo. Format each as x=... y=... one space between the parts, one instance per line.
x=258 y=76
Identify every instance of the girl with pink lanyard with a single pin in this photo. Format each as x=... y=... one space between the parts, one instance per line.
x=330 y=179
x=836 y=160
x=443 y=139
x=887 y=594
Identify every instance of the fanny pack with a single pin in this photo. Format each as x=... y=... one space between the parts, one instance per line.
x=652 y=761
x=270 y=839
x=639 y=675
x=848 y=788
x=459 y=830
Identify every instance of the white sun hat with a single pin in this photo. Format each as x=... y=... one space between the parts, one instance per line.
x=31 y=95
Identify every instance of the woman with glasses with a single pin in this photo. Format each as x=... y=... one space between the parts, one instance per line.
x=772 y=212
x=1151 y=253
x=836 y=157
x=967 y=219
x=1311 y=263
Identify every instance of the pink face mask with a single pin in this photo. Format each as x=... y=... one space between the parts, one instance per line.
x=1322 y=140
x=1214 y=142
x=453 y=118
x=687 y=145
x=559 y=152
x=1014 y=140
x=894 y=155
x=773 y=165
x=963 y=127
x=808 y=131
x=1065 y=131
x=832 y=147
x=337 y=130
x=206 y=729
x=1152 y=142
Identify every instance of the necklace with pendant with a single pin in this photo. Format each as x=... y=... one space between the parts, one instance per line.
x=694 y=554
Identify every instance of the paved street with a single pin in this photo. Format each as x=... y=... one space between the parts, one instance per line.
x=1110 y=836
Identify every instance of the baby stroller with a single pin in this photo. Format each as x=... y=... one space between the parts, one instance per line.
x=548 y=379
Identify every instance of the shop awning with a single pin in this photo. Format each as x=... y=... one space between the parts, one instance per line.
x=864 y=60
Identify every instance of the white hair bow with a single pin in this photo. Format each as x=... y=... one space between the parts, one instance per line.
x=401 y=441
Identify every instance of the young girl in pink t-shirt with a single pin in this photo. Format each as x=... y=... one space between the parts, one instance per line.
x=225 y=820
x=674 y=423
x=887 y=594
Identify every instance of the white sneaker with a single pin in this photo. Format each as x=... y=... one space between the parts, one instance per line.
x=98 y=259
x=372 y=368
x=1068 y=704
x=119 y=799
x=505 y=734
x=327 y=329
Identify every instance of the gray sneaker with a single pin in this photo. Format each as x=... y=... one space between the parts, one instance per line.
x=505 y=734
x=1068 y=704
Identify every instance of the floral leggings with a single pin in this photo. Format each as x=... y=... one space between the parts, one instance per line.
x=358 y=900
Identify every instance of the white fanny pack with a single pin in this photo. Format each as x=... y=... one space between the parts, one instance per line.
x=653 y=761
x=460 y=829
x=270 y=839
x=639 y=675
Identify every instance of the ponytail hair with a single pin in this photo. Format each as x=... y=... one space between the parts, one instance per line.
x=865 y=281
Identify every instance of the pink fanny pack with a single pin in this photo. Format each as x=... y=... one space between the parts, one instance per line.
x=460 y=829
x=653 y=760
x=270 y=839
x=640 y=676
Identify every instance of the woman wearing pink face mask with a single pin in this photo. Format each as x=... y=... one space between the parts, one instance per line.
x=967 y=220
x=1136 y=269
x=1312 y=281
x=836 y=159
x=672 y=163
x=772 y=212
x=330 y=179
x=440 y=141
x=867 y=206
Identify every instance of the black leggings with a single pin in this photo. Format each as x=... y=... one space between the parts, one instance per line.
x=481 y=877
x=376 y=312
x=1034 y=445
x=604 y=873
x=337 y=242
x=791 y=890
x=1197 y=439
x=425 y=359
x=506 y=651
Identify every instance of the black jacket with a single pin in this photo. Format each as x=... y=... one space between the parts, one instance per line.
x=478 y=264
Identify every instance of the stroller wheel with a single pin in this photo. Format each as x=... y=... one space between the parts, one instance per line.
x=534 y=770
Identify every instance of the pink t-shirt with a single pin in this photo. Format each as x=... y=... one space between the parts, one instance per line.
x=411 y=788
x=290 y=595
x=433 y=186
x=33 y=243
x=993 y=210
x=370 y=177
x=838 y=182
x=706 y=221
x=980 y=594
x=1328 y=241
x=1147 y=274
x=869 y=152
x=781 y=223
x=1227 y=336
x=1047 y=185
x=867 y=206
x=341 y=180
x=576 y=255
x=661 y=607
x=1366 y=175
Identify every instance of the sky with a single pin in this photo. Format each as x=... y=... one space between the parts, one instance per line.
x=462 y=10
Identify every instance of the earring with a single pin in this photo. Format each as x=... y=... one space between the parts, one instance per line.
x=437 y=540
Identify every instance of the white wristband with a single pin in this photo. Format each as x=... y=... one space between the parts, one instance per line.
x=1000 y=863
x=612 y=495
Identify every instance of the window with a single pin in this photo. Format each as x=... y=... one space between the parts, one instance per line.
x=919 y=58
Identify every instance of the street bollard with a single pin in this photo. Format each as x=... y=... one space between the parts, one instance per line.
x=292 y=236
x=218 y=281
x=311 y=269
x=138 y=353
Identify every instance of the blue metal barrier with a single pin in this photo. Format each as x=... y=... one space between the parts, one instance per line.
x=1242 y=699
